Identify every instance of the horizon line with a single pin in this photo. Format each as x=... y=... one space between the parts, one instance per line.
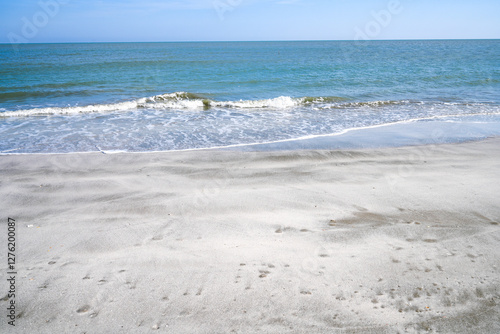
x=260 y=41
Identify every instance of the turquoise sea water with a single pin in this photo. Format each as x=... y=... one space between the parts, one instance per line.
x=175 y=96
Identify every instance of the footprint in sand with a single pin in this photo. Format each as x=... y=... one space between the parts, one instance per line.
x=83 y=309
x=263 y=273
x=131 y=284
x=282 y=229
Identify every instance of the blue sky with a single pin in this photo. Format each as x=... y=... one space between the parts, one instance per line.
x=41 y=21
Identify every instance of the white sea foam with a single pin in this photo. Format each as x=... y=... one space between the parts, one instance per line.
x=163 y=123
x=128 y=105
x=178 y=100
x=282 y=102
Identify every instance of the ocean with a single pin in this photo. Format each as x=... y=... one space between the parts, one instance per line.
x=143 y=97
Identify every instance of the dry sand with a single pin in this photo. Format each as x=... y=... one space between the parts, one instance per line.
x=361 y=241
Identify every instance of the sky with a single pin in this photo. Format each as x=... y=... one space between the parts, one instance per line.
x=54 y=21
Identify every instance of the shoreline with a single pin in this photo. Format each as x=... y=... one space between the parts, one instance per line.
x=356 y=240
x=418 y=132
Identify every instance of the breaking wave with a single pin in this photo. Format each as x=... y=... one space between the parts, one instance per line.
x=191 y=101
x=177 y=100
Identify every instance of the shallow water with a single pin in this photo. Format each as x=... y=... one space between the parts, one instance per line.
x=175 y=96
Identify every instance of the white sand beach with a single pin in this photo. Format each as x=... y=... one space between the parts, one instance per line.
x=354 y=241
